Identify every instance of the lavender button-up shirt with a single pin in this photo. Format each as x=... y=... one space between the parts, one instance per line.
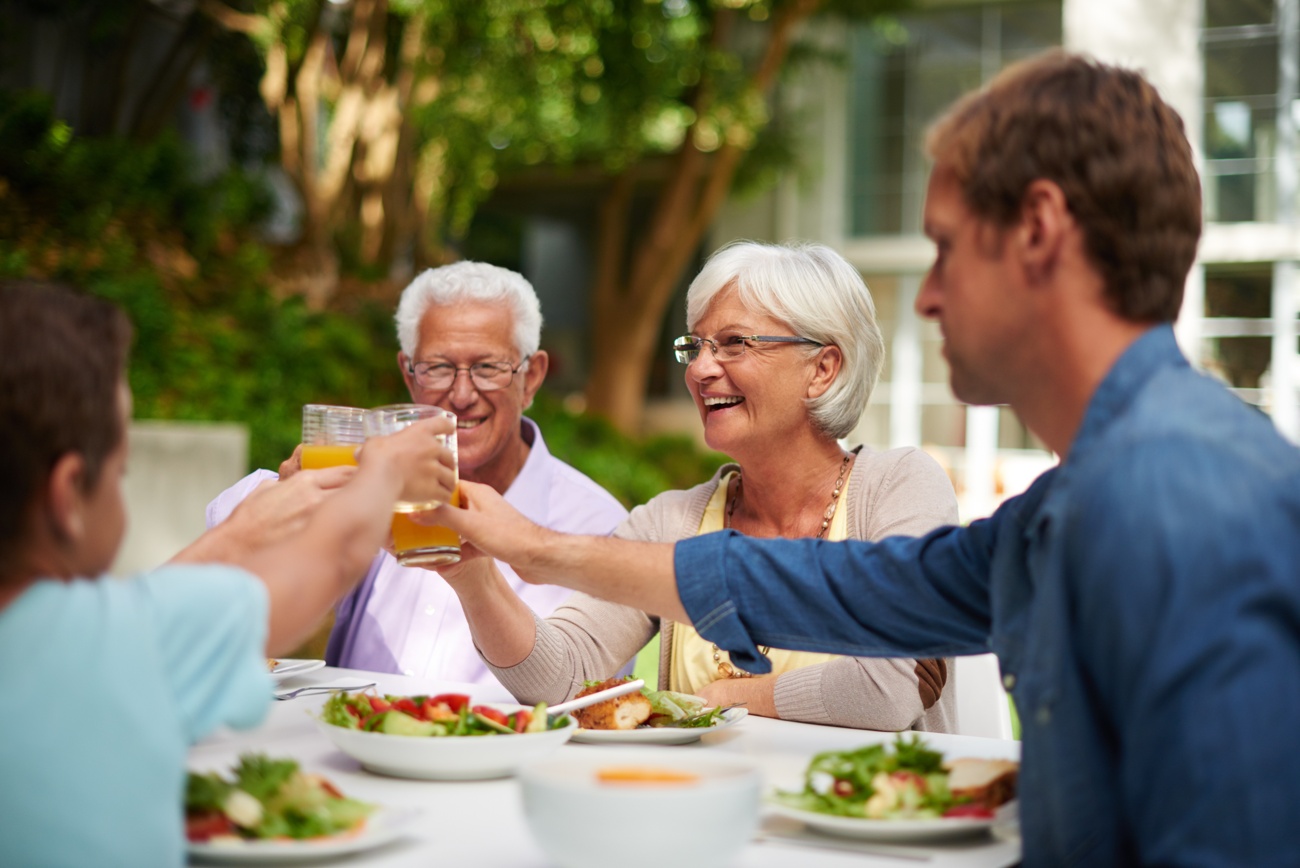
x=407 y=620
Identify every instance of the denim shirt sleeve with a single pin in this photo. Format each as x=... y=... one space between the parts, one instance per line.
x=903 y=596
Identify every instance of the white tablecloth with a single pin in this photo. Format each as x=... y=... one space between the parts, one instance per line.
x=481 y=823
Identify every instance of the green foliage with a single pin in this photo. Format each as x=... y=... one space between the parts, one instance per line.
x=633 y=470
x=213 y=342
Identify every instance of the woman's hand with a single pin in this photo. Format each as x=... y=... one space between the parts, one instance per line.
x=488 y=526
x=757 y=694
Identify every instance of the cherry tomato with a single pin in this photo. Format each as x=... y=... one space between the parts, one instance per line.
x=454 y=701
x=406 y=705
x=843 y=788
x=521 y=719
x=201 y=827
x=378 y=704
x=491 y=714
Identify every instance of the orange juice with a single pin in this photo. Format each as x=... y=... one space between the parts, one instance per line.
x=425 y=545
x=315 y=456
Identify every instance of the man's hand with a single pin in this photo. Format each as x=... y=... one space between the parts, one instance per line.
x=292 y=464
x=419 y=456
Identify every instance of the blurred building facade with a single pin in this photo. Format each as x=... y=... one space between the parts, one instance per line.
x=1230 y=67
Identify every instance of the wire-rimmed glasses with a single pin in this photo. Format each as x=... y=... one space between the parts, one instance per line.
x=441 y=376
x=725 y=348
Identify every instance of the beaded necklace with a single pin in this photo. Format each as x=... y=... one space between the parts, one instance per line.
x=725 y=669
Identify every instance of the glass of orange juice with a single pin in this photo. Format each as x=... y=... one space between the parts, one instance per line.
x=330 y=435
x=416 y=545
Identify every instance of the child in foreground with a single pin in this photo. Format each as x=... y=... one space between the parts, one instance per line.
x=108 y=682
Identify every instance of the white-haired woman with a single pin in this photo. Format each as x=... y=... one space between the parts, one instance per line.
x=782 y=355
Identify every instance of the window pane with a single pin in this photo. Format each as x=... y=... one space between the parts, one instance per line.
x=1236 y=13
x=1241 y=68
x=903 y=74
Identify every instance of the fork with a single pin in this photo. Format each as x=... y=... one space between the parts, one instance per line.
x=321 y=688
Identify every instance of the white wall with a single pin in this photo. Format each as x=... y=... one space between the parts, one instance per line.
x=173 y=470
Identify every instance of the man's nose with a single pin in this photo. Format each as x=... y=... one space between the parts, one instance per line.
x=463 y=391
x=927 y=298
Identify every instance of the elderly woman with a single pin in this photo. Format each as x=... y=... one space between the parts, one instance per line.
x=782 y=355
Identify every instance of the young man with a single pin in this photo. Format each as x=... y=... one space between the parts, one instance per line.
x=1143 y=598
x=469 y=335
x=108 y=682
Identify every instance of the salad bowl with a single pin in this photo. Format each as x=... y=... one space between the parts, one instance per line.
x=449 y=758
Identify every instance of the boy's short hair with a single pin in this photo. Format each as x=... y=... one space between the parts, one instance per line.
x=63 y=358
x=1118 y=152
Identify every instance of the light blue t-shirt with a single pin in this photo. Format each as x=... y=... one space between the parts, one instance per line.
x=104 y=685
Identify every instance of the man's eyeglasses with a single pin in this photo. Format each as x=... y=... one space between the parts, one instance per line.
x=728 y=347
x=441 y=376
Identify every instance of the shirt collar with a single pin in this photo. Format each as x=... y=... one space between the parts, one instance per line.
x=1154 y=350
x=527 y=493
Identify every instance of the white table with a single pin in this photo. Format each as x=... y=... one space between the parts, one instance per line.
x=482 y=823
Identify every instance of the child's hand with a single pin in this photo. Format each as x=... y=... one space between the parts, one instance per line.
x=419 y=456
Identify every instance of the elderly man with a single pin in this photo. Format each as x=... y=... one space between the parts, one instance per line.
x=469 y=335
x=1143 y=598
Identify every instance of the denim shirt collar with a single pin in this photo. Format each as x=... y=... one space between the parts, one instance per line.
x=1155 y=349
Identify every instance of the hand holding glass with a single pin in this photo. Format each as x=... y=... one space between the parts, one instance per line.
x=416 y=545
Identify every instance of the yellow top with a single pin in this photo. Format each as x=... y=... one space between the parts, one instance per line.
x=691 y=664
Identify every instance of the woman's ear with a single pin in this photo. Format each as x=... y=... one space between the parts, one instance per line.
x=828 y=363
x=66 y=498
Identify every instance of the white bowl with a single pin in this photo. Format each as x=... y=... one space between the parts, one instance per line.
x=582 y=822
x=452 y=757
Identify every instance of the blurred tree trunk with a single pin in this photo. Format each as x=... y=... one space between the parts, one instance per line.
x=635 y=278
x=344 y=140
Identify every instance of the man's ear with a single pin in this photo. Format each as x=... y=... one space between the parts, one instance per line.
x=1045 y=223
x=829 y=362
x=538 y=364
x=66 y=499
x=403 y=365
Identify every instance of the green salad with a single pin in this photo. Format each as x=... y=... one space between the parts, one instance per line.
x=905 y=780
x=446 y=714
x=267 y=798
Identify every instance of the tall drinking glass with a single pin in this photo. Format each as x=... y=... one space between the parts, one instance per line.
x=331 y=435
x=417 y=545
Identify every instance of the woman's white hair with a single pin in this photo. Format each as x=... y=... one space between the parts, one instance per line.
x=821 y=296
x=470 y=281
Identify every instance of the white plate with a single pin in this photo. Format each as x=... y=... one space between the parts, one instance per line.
x=383 y=826
x=889 y=830
x=448 y=758
x=289 y=668
x=659 y=734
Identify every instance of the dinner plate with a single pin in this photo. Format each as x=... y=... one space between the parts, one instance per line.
x=658 y=734
x=889 y=830
x=289 y=668
x=383 y=826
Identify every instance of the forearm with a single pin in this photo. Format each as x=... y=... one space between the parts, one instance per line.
x=308 y=573
x=500 y=623
x=637 y=574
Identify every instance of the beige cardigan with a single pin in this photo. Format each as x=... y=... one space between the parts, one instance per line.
x=902 y=491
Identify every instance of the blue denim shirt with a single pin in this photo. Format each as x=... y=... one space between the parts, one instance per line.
x=1143 y=599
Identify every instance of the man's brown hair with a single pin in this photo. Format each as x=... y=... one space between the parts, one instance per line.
x=1115 y=148
x=62 y=356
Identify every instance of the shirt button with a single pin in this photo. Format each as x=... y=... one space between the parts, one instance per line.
x=429 y=610
x=1009 y=680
